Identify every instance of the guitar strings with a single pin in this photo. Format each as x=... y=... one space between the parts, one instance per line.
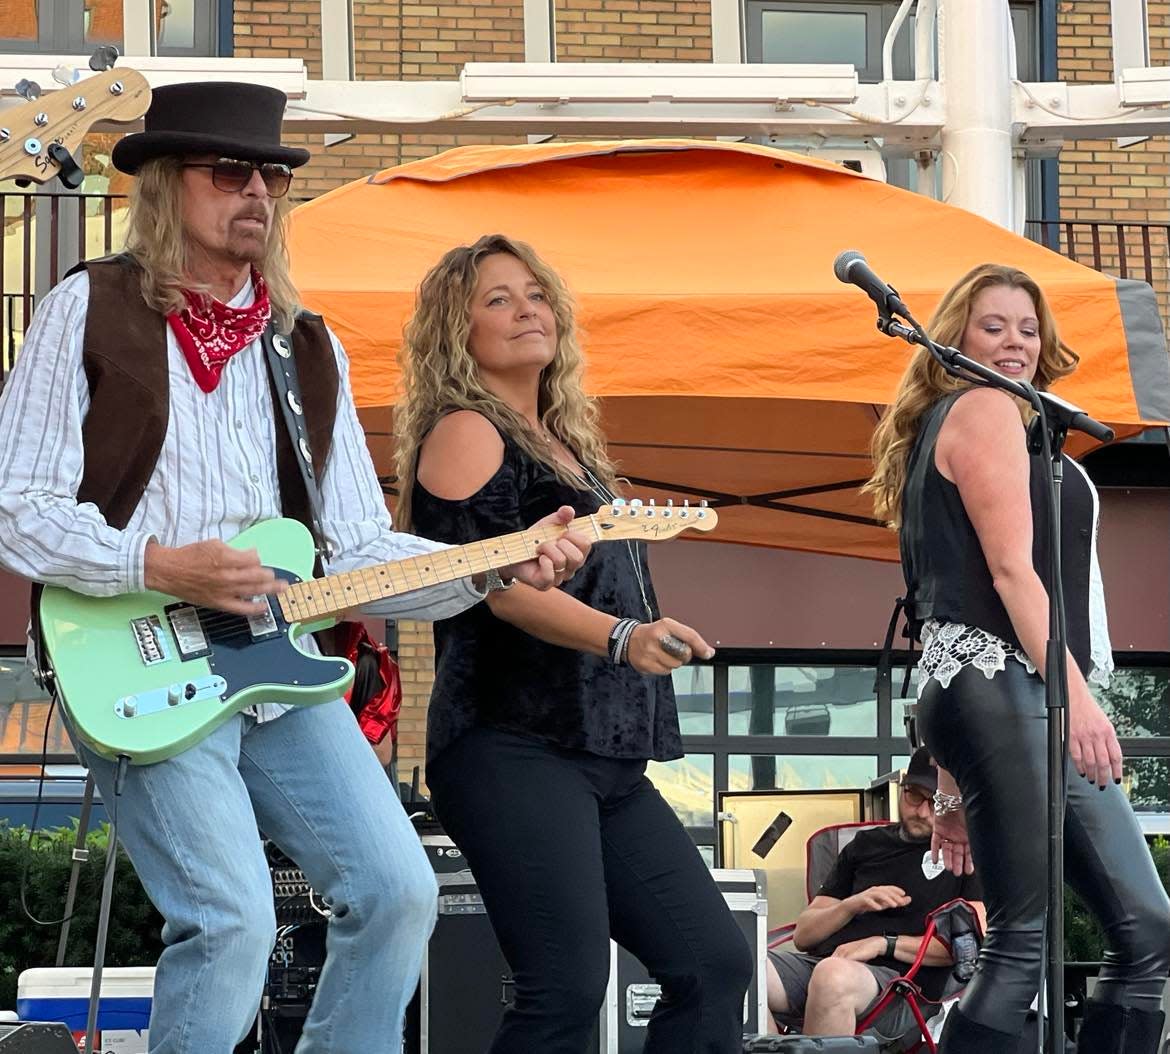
x=212 y=620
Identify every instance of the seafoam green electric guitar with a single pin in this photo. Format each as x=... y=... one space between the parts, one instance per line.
x=146 y=675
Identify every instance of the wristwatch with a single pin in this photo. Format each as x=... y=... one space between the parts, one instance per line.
x=891 y=945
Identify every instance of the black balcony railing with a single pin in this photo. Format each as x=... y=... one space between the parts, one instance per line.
x=84 y=221
x=1129 y=249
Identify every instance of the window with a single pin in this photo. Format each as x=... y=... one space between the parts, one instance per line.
x=853 y=31
x=1138 y=702
x=817 y=31
x=182 y=27
x=763 y=720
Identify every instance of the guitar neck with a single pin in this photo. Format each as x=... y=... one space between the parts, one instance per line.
x=327 y=597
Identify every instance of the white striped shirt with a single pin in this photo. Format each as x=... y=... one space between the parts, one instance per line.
x=216 y=474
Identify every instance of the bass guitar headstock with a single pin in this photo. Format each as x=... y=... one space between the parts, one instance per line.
x=38 y=138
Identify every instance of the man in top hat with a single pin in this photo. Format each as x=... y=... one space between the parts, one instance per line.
x=864 y=926
x=137 y=436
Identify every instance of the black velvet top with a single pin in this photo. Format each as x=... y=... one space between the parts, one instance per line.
x=488 y=672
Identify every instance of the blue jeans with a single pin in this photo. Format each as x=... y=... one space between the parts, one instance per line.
x=311 y=783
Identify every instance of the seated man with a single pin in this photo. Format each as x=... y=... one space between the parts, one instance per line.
x=864 y=926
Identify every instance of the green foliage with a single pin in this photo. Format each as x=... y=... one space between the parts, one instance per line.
x=134 y=934
x=1083 y=939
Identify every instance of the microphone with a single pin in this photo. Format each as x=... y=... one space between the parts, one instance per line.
x=1075 y=419
x=850 y=267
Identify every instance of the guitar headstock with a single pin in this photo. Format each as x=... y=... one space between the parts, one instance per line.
x=652 y=523
x=37 y=138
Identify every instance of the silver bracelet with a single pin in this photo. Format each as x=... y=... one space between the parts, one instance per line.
x=946 y=803
x=494 y=583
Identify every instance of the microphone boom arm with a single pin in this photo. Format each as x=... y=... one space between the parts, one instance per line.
x=1062 y=416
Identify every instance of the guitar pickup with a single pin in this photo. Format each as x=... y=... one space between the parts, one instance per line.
x=264 y=624
x=150 y=639
x=188 y=631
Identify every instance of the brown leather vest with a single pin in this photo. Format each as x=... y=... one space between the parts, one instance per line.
x=125 y=360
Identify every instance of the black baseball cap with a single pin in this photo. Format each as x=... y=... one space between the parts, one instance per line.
x=921 y=771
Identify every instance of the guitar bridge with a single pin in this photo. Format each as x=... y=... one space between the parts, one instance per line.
x=152 y=642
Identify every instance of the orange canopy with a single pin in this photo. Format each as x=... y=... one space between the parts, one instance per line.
x=732 y=364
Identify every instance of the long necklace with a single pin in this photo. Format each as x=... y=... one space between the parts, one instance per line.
x=606 y=497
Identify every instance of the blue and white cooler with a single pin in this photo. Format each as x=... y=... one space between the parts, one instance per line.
x=62 y=994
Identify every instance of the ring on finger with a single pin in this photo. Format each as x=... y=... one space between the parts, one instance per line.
x=673 y=646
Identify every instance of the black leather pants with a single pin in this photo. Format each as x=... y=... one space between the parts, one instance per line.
x=991 y=735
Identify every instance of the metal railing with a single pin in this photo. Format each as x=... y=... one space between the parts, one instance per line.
x=44 y=235
x=1127 y=249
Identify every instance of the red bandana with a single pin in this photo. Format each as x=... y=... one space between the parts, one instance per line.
x=210 y=332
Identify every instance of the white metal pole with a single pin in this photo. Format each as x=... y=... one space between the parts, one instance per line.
x=977 y=87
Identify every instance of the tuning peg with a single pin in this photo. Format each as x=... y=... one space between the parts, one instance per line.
x=66 y=76
x=635 y=503
x=27 y=89
x=669 y=507
x=703 y=508
x=68 y=170
x=103 y=58
x=686 y=507
x=617 y=505
x=652 y=508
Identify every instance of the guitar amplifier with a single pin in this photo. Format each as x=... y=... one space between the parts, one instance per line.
x=632 y=996
x=36 y=1037
x=466 y=983
x=294 y=967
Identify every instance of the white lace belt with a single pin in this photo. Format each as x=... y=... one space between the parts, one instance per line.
x=949 y=646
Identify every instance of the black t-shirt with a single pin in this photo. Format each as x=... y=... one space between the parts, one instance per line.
x=883 y=857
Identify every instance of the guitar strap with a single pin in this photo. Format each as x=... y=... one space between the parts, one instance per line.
x=376 y=695
x=282 y=368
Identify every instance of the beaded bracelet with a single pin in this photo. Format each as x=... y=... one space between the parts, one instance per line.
x=619 y=639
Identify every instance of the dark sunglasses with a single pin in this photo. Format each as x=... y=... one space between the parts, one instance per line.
x=231 y=176
x=916 y=795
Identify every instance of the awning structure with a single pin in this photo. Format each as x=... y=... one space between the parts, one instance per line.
x=732 y=365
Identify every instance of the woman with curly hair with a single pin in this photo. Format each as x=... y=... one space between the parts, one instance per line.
x=954 y=476
x=545 y=709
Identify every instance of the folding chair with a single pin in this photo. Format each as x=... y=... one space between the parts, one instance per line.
x=955 y=924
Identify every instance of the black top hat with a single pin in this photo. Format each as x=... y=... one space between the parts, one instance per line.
x=217 y=117
x=921 y=771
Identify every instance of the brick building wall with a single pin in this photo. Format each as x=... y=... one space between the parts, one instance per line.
x=400 y=41
x=1100 y=181
x=633 y=30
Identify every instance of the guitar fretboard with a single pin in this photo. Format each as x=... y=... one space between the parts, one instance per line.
x=331 y=595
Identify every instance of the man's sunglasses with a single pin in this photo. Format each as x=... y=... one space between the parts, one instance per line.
x=915 y=795
x=232 y=176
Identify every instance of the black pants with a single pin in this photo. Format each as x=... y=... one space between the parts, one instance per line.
x=569 y=848
x=991 y=735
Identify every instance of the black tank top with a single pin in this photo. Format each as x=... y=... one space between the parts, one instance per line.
x=947 y=577
x=488 y=672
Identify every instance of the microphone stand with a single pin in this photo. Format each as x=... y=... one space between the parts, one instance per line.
x=1046 y=435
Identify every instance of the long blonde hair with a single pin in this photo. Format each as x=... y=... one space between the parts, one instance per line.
x=156 y=239
x=925 y=381
x=439 y=374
